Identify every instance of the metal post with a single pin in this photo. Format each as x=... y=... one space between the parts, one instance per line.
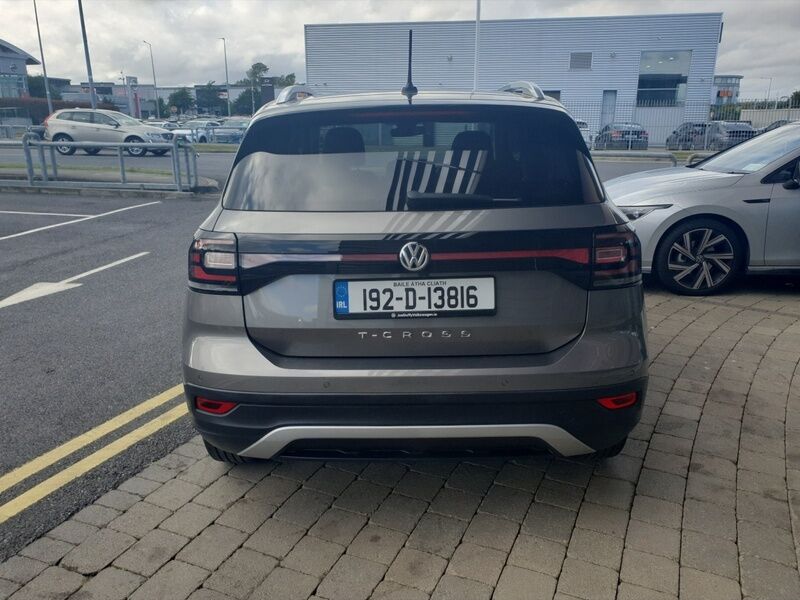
x=188 y=167
x=477 y=43
x=178 y=176
x=122 y=176
x=174 y=157
x=227 y=85
x=44 y=67
x=53 y=161
x=42 y=162
x=155 y=84
x=194 y=167
x=28 y=158
x=86 y=53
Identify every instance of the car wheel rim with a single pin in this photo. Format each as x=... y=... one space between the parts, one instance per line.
x=701 y=259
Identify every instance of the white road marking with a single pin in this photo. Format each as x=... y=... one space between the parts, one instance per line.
x=45 y=288
x=43 y=214
x=111 y=212
x=104 y=267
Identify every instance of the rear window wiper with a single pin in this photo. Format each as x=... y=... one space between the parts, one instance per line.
x=445 y=201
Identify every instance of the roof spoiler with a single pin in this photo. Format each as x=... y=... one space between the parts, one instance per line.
x=528 y=89
x=294 y=93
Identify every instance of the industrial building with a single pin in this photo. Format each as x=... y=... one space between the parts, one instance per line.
x=656 y=70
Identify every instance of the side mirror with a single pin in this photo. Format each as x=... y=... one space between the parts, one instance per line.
x=793 y=182
x=115 y=125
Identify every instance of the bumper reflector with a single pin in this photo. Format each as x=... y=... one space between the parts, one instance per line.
x=213 y=407
x=617 y=402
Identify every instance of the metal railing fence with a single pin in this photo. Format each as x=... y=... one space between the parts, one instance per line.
x=42 y=170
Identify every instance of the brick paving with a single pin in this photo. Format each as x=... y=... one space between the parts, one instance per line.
x=703 y=503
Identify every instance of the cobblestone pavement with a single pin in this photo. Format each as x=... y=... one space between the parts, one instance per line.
x=703 y=504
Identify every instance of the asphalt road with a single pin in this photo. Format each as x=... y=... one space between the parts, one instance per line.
x=75 y=359
x=216 y=165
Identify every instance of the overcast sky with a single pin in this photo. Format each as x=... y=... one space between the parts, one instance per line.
x=761 y=37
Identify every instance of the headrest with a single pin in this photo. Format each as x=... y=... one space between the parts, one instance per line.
x=340 y=140
x=472 y=140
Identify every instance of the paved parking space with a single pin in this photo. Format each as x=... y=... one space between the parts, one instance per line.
x=703 y=504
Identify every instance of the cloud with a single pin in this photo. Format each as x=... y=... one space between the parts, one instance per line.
x=758 y=43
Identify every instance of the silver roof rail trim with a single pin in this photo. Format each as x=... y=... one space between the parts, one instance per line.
x=524 y=88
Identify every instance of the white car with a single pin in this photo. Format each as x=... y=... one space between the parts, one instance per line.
x=737 y=211
x=197 y=131
x=87 y=125
x=583 y=126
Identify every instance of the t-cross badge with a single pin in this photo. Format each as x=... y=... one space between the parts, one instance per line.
x=395 y=278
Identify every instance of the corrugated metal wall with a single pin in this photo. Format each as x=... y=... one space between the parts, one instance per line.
x=343 y=58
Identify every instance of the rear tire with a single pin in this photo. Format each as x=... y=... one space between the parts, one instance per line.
x=64 y=150
x=92 y=151
x=223 y=456
x=611 y=451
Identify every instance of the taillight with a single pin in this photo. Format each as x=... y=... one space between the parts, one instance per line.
x=618 y=402
x=615 y=135
x=214 y=407
x=212 y=263
x=616 y=258
x=46 y=119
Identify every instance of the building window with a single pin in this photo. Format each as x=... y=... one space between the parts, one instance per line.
x=662 y=77
x=580 y=61
x=554 y=94
x=12 y=86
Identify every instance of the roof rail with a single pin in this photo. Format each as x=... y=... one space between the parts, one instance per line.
x=524 y=88
x=293 y=93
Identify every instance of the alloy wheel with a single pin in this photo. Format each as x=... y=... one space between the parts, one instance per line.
x=701 y=259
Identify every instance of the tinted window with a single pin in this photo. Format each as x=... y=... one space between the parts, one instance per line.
x=82 y=117
x=378 y=159
x=65 y=116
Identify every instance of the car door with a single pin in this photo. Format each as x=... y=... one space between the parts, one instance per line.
x=782 y=247
x=82 y=126
x=106 y=129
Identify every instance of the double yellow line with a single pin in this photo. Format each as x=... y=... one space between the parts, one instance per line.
x=69 y=474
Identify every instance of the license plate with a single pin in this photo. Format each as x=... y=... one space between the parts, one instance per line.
x=404 y=298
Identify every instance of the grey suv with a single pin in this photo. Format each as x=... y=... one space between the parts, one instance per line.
x=388 y=278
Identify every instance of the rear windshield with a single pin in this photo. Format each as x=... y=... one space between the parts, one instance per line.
x=412 y=158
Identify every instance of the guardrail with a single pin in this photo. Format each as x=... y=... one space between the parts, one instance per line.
x=697 y=157
x=635 y=154
x=41 y=156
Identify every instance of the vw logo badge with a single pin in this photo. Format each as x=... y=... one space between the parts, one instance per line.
x=414 y=256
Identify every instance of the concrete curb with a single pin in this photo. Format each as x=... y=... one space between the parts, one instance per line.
x=6 y=187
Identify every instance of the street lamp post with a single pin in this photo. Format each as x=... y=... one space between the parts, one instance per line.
x=155 y=84
x=44 y=67
x=227 y=85
x=86 y=54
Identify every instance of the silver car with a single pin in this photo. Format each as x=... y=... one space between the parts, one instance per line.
x=394 y=278
x=108 y=126
x=738 y=211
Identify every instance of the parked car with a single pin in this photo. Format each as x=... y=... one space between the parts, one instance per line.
x=621 y=136
x=688 y=136
x=439 y=293
x=736 y=212
x=198 y=131
x=725 y=134
x=583 y=127
x=87 y=125
x=774 y=125
x=231 y=130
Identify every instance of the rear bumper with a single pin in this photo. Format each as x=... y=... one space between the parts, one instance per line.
x=289 y=405
x=567 y=422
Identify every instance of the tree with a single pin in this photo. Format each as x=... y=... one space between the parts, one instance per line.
x=181 y=99
x=794 y=99
x=283 y=81
x=243 y=105
x=36 y=88
x=163 y=109
x=208 y=98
